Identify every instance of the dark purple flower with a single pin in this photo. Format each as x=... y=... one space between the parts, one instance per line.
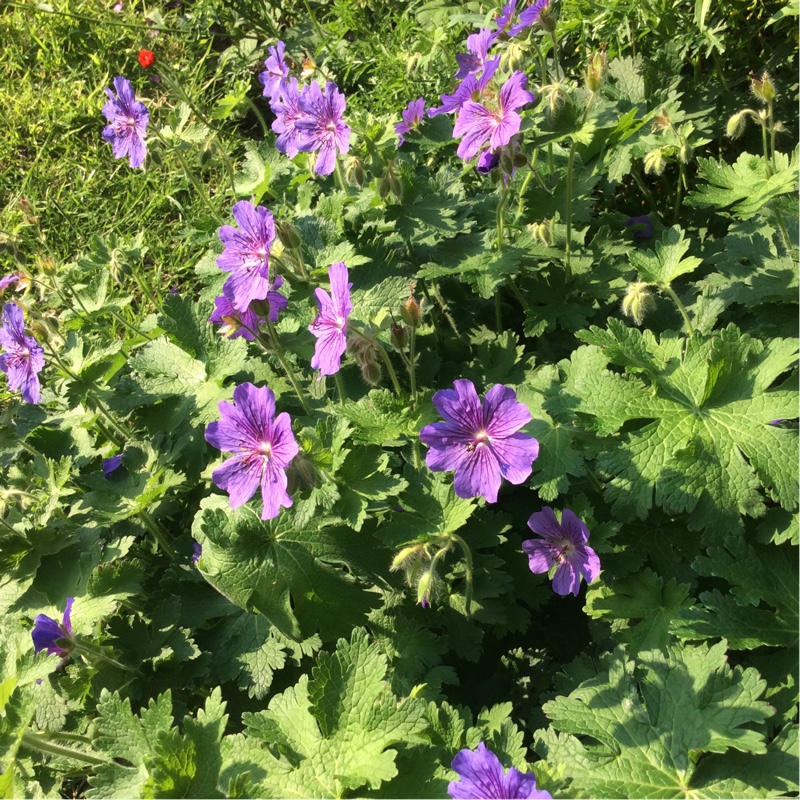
x=479 y=124
x=481 y=443
x=47 y=632
x=503 y=19
x=528 y=17
x=642 y=226
x=277 y=70
x=412 y=117
x=246 y=254
x=478 y=45
x=111 y=464
x=330 y=326
x=263 y=446
x=286 y=107
x=564 y=545
x=246 y=323
x=487 y=161
x=128 y=119
x=482 y=777
x=24 y=358
x=197 y=551
x=6 y=281
x=323 y=126
x=471 y=88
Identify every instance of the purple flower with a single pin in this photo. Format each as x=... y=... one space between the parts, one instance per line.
x=564 y=544
x=503 y=19
x=478 y=45
x=330 y=326
x=46 y=632
x=111 y=464
x=277 y=70
x=8 y=280
x=322 y=125
x=286 y=107
x=482 y=777
x=128 y=120
x=197 y=551
x=479 y=124
x=487 y=161
x=471 y=88
x=263 y=446
x=528 y=17
x=481 y=443
x=412 y=118
x=246 y=323
x=642 y=226
x=246 y=254
x=23 y=358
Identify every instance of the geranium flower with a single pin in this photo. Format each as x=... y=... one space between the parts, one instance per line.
x=128 y=119
x=47 y=632
x=109 y=465
x=527 y=17
x=23 y=358
x=481 y=443
x=478 y=45
x=412 y=117
x=487 y=161
x=7 y=280
x=479 y=124
x=277 y=70
x=471 y=88
x=323 y=126
x=246 y=254
x=246 y=323
x=564 y=544
x=263 y=446
x=482 y=777
x=330 y=326
x=286 y=107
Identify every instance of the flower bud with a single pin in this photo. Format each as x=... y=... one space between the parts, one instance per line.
x=685 y=152
x=547 y=18
x=288 y=235
x=354 y=171
x=763 y=88
x=405 y=557
x=411 y=312
x=637 y=301
x=399 y=336
x=47 y=265
x=301 y=473
x=554 y=96
x=425 y=589
x=654 y=162
x=736 y=124
x=541 y=231
x=514 y=57
x=371 y=372
x=661 y=120
x=596 y=70
x=389 y=184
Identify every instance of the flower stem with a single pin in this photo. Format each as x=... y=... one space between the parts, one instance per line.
x=39 y=743
x=339 y=177
x=259 y=116
x=389 y=368
x=568 y=252
x=521 y=203
x=681 y=307
x=159 y=532
x=556 y=65
x=295 y=385
x=678 y=192
x=117 y=426
x=417 y=455
x=501 y=216
x=90 y=651
x=468 y=559
x=339 y=386
x=412 y=366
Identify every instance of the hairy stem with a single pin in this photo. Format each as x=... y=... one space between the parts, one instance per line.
x=36 y=742
x=681 y=307
x=468 y=559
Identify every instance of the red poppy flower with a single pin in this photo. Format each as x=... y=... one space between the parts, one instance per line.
x=147 y=58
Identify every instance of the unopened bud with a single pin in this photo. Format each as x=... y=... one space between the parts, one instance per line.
x=763 y=88
x=541 y=231
x=685 y=152
x=288 y=235
x=411 y=311
x=555 y=97
x=425 y=589
x=637 y=301
x=547 y=18
x=47 y=265
x=389 y=183
x=596 y=71
x=514 y=57
x=736 y=124
x=354 y=171
x=661 y=120
x=654 y=162
x=405 y=557
x=371 y=372
x=399 y=336
x=301 y=473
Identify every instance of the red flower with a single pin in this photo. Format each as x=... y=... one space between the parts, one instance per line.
x=147 y=58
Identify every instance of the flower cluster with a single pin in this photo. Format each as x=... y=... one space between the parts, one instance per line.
x=23 y=358
x=307 y=120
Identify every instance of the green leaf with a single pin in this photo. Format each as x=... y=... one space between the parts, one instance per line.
x=667 y=262
x=380 y=418
x=644 y=726
x=336 y=731
x=293 y=574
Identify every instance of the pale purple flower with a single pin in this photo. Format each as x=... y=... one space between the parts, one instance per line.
x=23 y=358
x=503 y=19
x=482 y=443
x=246 y=254
x=478 y=45
x=487 y=161
x=46 y=632
x=6 y=281
x=330 y=326
x=479 y=124
x=564 y=544
x=471 y=88
x=111 y=464
x=412 y=118
x=482 y=777
x=527 y=17
x=322 y=126
x=277 y=70
x=128 y=119
x=286 y=107
x=263 y=446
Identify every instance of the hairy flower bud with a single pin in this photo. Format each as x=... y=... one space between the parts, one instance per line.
x=371 y=372
x=554 y=96
x=389 y=183
x=411 y=312
x=763 y=88
x=596 y=70
x=354 y=171
x=426 y=589
x=736 y=124
x=541 y=231
x=547 y=18
x=637 y=301
x=301 y=473
x=288 y=235
x=685 y=152
x=654 y=162
x=399 y=336
x=661 y=120
x=514 y=57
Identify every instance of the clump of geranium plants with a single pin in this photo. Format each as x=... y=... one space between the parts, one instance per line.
x=271 y=540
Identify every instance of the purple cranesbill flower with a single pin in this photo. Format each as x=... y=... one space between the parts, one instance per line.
x=412 y=118
x=263 y=446
x=276 y=72
x=47 y=632
x=111 y=464
x=503 y=19
x=330 y=325
x=322 y=126
x=7 y=280
x=286 y=107
x=642 y=226
x=471 y=88
x=482 y=443
x=128 y=118
x=246 y=323
x=478 y=45
x=197 y=551
x=479 y=124
x=487 y=161
x=23 y=358
x=564 y=545
x=482 y=777
x=246 y=254
x=527 y=17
